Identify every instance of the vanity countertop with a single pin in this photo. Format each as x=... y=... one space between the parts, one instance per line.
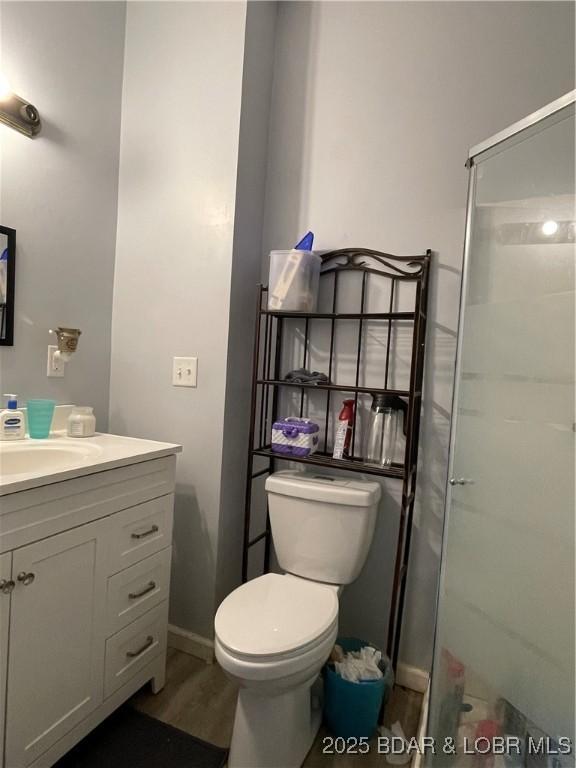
x=31 y=463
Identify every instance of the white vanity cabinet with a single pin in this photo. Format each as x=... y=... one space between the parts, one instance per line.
x=84 y=579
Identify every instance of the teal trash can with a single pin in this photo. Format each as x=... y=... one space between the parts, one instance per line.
x=351 y=709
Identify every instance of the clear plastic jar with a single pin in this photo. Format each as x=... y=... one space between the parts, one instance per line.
x=293 y=281
x=81 y=422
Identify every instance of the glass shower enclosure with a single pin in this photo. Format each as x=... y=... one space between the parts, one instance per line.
x=503 y=671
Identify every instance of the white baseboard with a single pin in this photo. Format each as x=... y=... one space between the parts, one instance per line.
x=412 y=677
x=191 y=643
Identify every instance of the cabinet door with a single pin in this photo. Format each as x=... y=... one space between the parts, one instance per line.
x=56 y=662
x=5 y=576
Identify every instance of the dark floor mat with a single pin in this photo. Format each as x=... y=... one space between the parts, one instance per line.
x=131 y=739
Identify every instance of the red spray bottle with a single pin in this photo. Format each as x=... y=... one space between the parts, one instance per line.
x=344 y=430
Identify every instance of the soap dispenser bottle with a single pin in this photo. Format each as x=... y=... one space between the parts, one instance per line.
x=12 y=424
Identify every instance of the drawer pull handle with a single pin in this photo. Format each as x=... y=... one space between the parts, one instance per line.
x=149 y=588
x=149 y=532
x=147 y=644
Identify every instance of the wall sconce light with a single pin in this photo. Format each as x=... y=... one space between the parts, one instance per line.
x=16 y=112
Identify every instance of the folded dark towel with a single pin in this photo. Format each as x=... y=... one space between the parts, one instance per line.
x=304 y=376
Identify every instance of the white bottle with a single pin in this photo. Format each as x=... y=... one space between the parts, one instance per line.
x=12 y=424
x=81 y=422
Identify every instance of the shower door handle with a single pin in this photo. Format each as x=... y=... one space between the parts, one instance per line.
x=461 y=481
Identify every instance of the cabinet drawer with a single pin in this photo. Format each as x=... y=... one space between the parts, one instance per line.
x=38 y=513
x=129 y=650
x=140 y=531
x=135 y=590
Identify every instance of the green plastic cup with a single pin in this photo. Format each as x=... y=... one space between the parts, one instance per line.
x=40 y=414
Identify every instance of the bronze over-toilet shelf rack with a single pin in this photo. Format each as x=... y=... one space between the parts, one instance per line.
x=267 y=383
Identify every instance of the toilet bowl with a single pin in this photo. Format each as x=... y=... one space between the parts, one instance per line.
x=274 y=633
x=273 y=636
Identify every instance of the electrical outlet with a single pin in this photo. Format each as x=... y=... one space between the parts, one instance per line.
x=55 y=368
x=184 y=371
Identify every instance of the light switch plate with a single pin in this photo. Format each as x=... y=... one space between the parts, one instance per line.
x=184 y=371
x=54 y=368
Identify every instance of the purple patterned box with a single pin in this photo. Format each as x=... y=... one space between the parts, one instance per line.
x=295 y=437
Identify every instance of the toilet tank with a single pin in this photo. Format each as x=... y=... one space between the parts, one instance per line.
x=322 y=526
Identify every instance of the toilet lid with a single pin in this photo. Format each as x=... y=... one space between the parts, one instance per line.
x=275 y=614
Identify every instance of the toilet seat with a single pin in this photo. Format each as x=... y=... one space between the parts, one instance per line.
x=275 y=617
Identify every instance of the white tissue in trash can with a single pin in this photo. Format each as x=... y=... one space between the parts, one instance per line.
x=358 y=666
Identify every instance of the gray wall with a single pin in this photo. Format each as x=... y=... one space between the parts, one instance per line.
x=247 y=262
x=172 y=287
x=60 y=191
x=374 y=108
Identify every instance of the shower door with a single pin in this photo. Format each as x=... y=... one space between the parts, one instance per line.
x=504 y=649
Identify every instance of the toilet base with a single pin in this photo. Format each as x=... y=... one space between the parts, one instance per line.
x=274 y=731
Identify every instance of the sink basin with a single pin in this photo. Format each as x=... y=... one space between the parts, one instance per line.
x=29 y=463
x=40 y=457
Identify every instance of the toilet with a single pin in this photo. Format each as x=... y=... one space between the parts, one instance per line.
x=274 y=633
